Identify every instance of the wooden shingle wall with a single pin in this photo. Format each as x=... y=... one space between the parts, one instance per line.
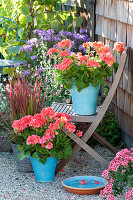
x=114 y=22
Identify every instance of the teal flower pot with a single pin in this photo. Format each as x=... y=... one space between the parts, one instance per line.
x=44 y=172
x=85 y=102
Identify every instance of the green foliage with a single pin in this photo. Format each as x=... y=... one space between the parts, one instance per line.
x=115 y=65
x=30 y=15
x=109 y=129
x=21 y=155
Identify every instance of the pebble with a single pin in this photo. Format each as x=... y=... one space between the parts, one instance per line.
x=16 y=185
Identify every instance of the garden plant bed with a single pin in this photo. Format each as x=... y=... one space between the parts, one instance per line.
x=23 y=186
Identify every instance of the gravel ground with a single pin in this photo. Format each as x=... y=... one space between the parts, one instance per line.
x=16 y=185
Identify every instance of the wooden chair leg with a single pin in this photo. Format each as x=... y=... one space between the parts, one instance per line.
x=104 y=142
x=80 y=144
x=64 y=162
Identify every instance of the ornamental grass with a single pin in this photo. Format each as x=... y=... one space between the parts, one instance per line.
x=21 y=99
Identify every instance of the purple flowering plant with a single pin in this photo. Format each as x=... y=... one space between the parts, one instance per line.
x=36 y=64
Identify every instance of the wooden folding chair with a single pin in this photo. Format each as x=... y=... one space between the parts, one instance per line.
x=92 y=122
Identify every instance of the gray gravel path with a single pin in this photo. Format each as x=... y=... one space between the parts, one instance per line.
x=16 y=185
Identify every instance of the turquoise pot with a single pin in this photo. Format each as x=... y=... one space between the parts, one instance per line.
x=85 y=102
x=44 y=172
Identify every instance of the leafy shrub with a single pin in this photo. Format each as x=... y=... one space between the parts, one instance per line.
x=109 y=129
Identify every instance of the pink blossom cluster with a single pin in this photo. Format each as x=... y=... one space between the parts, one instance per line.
x=129 y=194
x=66 y=62
x=119 y=47
x=52 y=51
x=47 y=118
x=122 y=158
x=64 y=44
x=64 y=53
x=92 y=63
x=88 y=62
x=108 y=58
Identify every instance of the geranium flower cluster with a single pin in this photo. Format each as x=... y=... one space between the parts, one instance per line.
x=46 y=126
x=119 y=174
x=65 y=64
x=82 y=70
x=119 y=47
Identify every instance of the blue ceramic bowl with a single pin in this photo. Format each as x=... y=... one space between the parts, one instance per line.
x=84 y=184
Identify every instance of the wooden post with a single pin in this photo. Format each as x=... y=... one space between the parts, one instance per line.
x=92 y=20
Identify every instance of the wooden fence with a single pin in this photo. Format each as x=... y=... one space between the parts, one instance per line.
x=114 y=22
x=110 y=21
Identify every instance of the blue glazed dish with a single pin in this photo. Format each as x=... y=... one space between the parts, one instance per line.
x=84 y=184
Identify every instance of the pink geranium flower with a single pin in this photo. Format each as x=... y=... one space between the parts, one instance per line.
x=33 y=139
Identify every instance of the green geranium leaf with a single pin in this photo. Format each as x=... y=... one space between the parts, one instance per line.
x=67 y=151
x=27 y=154
x=20 y=148
x=43 y=160
x=21 y=155
x=35 y=155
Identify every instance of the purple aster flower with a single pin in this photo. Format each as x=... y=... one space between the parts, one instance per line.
x=83 y=30
x=56 y=38
x=54 y=46
x=50 y=31
x=86 y=38
x=36 y=31
x=17 y=64
x=33 y=57
x=77 y=36
x=40 y=69
x=26 y=72
x=24 y=63
x=42 y=32
x=69 y=34
x=26 y=48
x=81 y=48
x=32 y=41
x=61 y=32
x=46 y=38
x=73 y=43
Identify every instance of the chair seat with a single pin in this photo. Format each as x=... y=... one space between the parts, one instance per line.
x=6 y=63
x=68 y=108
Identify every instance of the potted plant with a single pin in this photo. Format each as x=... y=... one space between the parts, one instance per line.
x=44 y=140
x=119 y=175
x=22 y=99
x=83 y=74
